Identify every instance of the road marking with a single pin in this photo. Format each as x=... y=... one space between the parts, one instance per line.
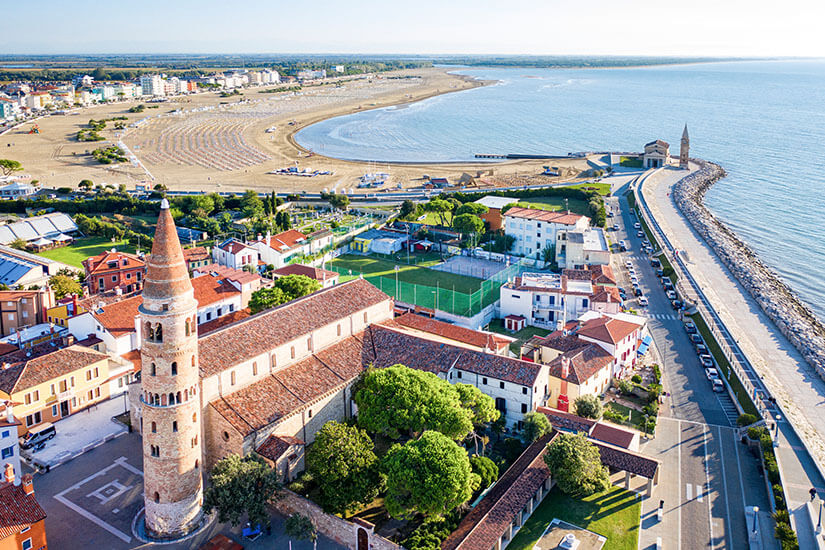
x=707 y=480
x=679 y=485
x=88 y=515
x=688 y=492
x=724 y=491
x=700 y=493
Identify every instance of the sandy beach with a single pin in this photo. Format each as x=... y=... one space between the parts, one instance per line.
x=208 y=142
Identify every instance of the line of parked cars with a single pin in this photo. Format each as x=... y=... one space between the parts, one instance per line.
x=705 y=357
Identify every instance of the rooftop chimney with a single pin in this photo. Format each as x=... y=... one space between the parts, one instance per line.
x=28 y=488
x=565 y=367
x=9 y=407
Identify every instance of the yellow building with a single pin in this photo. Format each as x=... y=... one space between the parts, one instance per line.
x=61 y=313
x=52 y=384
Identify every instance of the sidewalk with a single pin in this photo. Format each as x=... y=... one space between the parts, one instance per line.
x=798 y=390
x=80 y=433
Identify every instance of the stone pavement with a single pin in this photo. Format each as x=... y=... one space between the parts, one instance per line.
x=798 y=390
x=80 y=433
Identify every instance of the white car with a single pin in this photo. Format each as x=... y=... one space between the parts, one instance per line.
x=628 y=264
x=637 y=225
x=643 y=301
x=711 y=373
x=634 y=279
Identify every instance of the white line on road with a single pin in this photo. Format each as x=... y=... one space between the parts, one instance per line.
x=700 y=493
x=679 y=486
x=724 y=491
x=707 y=480
x=688 y=492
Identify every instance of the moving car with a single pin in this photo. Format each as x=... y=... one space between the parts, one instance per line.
x=623 y=246
x=615 y=227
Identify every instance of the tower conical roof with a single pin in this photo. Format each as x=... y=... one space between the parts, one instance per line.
x=166 y=273
x=685 y=136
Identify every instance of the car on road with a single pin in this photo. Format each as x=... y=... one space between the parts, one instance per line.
x=701 y=349
x=667 y=283
x=643 y=301
x=696 y=339
x=707 y=360
x=660 y=273
x=690 y=327
x=640 y=234
x=628 y=264
x=671 y=295
x=615 y=227
x=711 y=373
x=656 y=263
x=638 y=291
x=634 y=280
x=623 y=246
x=637 y=225
x=676 y=304
x=40 y=434
x=717 y=385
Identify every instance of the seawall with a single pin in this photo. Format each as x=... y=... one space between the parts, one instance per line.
x=793 y=318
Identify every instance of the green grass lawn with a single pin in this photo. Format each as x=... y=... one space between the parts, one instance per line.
x=554 y=204
x=416 y=274
x=602 y=188
x=81 y=249
x=497 y=325
x=636 y=417
x=724 y=365
x=613 y=514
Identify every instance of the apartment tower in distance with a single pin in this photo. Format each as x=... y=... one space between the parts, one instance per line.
x=684 y=150
x=172 y=481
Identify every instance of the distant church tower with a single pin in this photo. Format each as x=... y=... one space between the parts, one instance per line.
x=684 y=150
x=172 y=483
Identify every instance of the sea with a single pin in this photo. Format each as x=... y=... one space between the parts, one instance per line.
x=763 y=121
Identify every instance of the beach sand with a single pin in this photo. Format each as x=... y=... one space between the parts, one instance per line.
x=219 y=144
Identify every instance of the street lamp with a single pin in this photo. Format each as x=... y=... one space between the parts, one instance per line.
x=396 y=282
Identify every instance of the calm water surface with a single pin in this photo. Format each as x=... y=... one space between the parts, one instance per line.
x=763 y=121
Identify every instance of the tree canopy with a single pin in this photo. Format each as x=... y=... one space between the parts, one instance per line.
x=285 y=289
x=335 y=200
x=482 y=406
x=300 y=527
x=536 y=425
x=409 y=209
x=440 y=207
x=266 y=298
x=471 y=208
x=486 y=469
x=575 y=464
x=398 y=400
x=241 y=486
x=342 y=462
x=8 y=166
x=252 y=205
x=63 y=285
x=468 y=224
x=430 y=475
x=588 y=406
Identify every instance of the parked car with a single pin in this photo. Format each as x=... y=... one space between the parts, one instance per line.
x=628 y=264
x=701 y=348
x=634 y=280
x=667 y=284
x=38 y=434
x=676 y=304
x=660 y=273
x=711 y=373
x=640 y=234
x=707 y=360
x=717 y=385
x=656 y=263
x=643 y=301
x=615 y=227
x=671 y=295
x=638 y=291
x=690 y=327
x=623 y=246
x=637 y=225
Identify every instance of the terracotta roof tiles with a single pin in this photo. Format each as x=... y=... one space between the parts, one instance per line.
x=562 y=218
x=607 y=329
x=39 y=369
x=17 y=509
x=312 y=272
x=475 y=338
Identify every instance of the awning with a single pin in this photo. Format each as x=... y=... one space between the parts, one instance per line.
x=62 y=237
x=42 y=241
x=646 y=341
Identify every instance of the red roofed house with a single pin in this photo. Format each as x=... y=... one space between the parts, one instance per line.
x=278 y=249
x=619 y=334
x=535 y=230
x=487 y=342
x=22 y=524
x=235 y=254
x=325 y=277
x=196 y=256
x=114 y=270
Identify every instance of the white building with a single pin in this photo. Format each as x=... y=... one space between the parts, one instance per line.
x=545 y=299
x=581 y=247
x=278 y=249
x=621 y=334
x=308 y=74
x=17 y=189
x=270 y=77
x=235 y=254
x=535 y=230
x=80 y=81
x=9 y=446
x=127 y=90
x=339 y=69
x=657 y=154
x=152 y=85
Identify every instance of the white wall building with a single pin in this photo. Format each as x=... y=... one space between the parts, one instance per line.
x=235 y=254
x=9 y=446
x=545 y=299
x=534 y=230
x=152 y=85
x=581 y=247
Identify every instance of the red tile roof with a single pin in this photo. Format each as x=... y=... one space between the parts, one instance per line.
x=294 y=388
x=608 y=329
x=563 y=218
x=99 y=265
x=14 y=295
x=118 y=318
x=491 y=518
x=276 y=445
x=629 y=461
x=585 y=362
x=475 y=338
x=233 y=247
x=228 y=273
x=393 y=346
x=613 y=435
x=269 y=329
x=196 y=254
x=566 y=421
x=17 y=509
x=286 y=240
x=209 y=290
x=606 y=294
x=312 y=272
x=222 y=321
x=39 y=369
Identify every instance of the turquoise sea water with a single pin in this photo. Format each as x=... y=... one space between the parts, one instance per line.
x=763 y=121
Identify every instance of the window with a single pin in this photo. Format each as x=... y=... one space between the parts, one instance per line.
x=292 y=352
x=5 y=433
x=501 y=404
x=523 y=408
x=100 y=283
x=310 y=413
x=153 y=370
x=232 y=378
x=27 y=544
x=501 y=385
x=33 y=419
x=231 y=308
x=51 y=389
x=174 y=368
x=484 y=380
x=7 y=452
x=114 y=278
x=365 y=317
x=54 y=411
x=89 y=374
x=458 y=373
x=128 y=275
x=156 y=497
x=226 y=436
x=90 y=395
x=339 y=329
x=254 y=368
x=524 y=391
x=208 y=315
x=138 y=275
x=194 y=417
x=197 y=463
x=28 y=399
x=154 y=428
x=154 y=450
x=175 y=426
x=194 y=441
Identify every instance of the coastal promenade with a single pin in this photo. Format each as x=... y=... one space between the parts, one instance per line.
x=769 y=360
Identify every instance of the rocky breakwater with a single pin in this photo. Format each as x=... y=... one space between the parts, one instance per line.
x=793 y=318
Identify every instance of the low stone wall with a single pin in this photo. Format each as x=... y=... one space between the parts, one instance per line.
x=793 y=318
x=340 y=530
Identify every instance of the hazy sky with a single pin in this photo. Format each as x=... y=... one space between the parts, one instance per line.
x=630 y=27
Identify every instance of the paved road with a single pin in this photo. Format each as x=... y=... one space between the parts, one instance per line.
x=707 y=476
x=90 y=503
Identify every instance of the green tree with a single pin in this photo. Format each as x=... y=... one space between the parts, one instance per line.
x=295 y=286
x=471 y=208
x=398 y=400
x=468 y=224
x=503 y=242
x=482 y=406
x=64 y=285
x=341 y=202
x=588 y=406
x=18 y=244
x=266 y=298
x=575 y=464
x=548 y=254
x=252 y=205
x=440 y=207
x=343 y=464
x=536 y=425
x=300 y=527
x=485 y=468
x=8 y=167
x=239 y=486
x=86 y=184
x=409 y=210
x=430 y=475
x=508 y=207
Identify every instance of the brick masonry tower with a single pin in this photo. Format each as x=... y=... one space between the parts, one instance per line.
x=684 y=150
x=172 y=482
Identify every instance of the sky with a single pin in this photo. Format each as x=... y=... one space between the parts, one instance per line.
x=537 y=27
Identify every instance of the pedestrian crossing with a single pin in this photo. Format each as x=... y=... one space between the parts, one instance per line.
x=728 y=408
x=662 y=316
